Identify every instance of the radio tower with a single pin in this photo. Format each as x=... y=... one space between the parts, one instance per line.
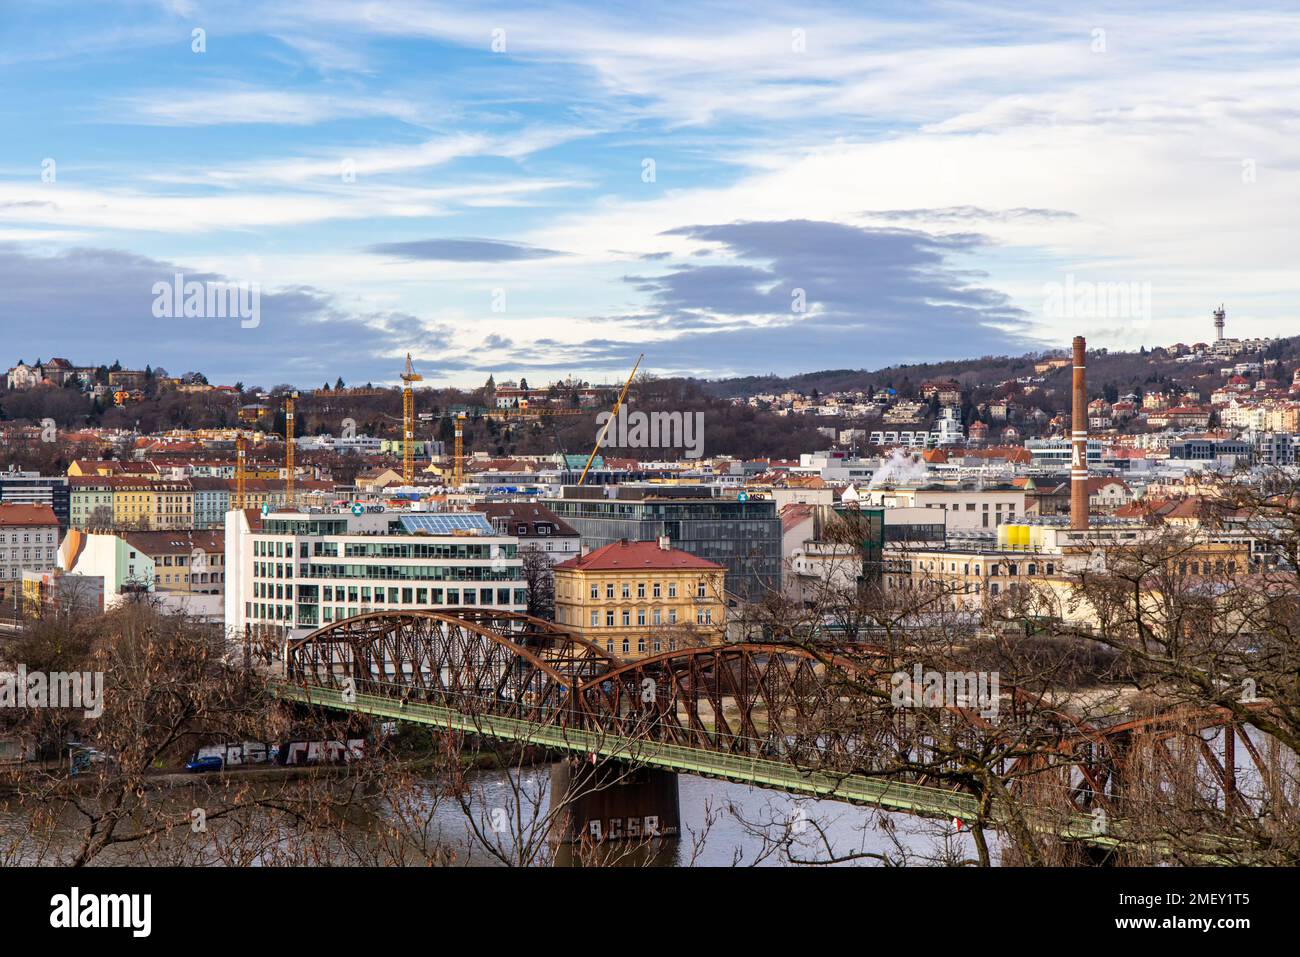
x=1219 y=316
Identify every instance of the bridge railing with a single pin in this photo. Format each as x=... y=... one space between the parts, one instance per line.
x=878 y=791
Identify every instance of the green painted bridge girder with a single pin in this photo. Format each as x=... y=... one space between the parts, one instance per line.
x=879 y=792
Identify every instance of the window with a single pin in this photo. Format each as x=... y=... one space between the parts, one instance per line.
x=595 y=591
x=627 y=590
x=609 y=619
x=609 y=590
x=595 y=619
x=672 y=589
x=627 y=618
x=655 y=590
x=640 y=589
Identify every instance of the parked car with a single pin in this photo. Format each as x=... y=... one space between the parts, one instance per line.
x=201 y=765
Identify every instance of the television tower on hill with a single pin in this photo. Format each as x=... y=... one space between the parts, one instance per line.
x=1219 y=316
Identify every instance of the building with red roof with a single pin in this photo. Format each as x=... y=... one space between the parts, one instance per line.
x=636 y=599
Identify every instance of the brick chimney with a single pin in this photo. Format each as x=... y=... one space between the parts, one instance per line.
x=1079 y=440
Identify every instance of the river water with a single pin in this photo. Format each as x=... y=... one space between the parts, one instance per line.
x=722 y=824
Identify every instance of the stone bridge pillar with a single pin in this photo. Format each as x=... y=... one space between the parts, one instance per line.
x=612 y=801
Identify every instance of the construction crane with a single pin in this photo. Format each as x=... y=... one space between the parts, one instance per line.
x=408 y=422
x=288 y=450
x=458 y=460
x=241 y=455
x=613 y=415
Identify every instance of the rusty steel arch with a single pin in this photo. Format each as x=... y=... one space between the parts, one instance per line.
x=571 y=653
x=760 y=699
x=438 y=658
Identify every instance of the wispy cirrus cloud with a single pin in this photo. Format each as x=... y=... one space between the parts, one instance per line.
x=243 y=106
x=462 y=250
x=968 y=214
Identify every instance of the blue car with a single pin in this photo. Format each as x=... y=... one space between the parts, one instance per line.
x=199 y=765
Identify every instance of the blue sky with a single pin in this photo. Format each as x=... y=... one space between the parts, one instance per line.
x=544 y=190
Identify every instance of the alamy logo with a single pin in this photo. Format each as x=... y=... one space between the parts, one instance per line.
x=57 y=689
x=179 y=299
x=652 y=430
x=977 y=690
x=103 y=910
x=1096 y=300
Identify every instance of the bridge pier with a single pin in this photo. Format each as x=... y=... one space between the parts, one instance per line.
x=612 y=801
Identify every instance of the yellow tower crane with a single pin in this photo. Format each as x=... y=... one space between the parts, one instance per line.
x=241 y=456
x=613 y=415
x=408 y=422
x=458 y=459
x=288 y=450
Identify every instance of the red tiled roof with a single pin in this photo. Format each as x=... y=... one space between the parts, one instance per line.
x=630 y=555
x=11 y=513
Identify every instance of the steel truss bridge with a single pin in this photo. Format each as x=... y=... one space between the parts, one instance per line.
x=803 y=720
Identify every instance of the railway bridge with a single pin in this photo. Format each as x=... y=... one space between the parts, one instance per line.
x=814 y=720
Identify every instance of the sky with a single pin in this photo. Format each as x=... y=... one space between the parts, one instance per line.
x=545 y=190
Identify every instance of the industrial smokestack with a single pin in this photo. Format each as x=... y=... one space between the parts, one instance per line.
x=1079 y=440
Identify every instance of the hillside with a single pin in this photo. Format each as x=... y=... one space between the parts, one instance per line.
x=1122 y=371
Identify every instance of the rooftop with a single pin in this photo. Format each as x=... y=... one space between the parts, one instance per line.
x=14 y=514
x=626 y=555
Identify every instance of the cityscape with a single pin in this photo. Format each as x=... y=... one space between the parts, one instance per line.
x=430 y=441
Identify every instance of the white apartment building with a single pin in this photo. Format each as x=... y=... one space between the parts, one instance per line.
x=360 y=444
x=967 y=508
x=29 y=542
x=288 y=573
x=1055 y=453
x=536 y=527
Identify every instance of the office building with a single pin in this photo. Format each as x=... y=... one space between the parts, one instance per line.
x=739 y=532
x=290 y=572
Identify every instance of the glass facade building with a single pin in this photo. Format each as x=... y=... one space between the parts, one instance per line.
x=301 y=570
x=742 y=536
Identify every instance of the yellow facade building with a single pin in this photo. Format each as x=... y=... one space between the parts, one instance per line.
x=152 y=505
x=637 y=599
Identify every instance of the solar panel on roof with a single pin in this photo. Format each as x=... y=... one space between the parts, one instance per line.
x=447 y=523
